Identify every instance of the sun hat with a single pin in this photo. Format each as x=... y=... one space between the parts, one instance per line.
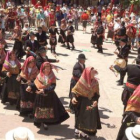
x=133 y=133
x=20 y=133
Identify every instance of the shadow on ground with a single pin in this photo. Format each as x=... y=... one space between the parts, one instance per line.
x=64 y=102
x=101 y=112
x=58 y=130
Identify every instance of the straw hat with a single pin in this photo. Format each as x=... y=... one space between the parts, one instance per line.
x=134 y=22
x=133 y=133
x=20 y=133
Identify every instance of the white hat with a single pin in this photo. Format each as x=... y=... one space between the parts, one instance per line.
x=134 y=22
x=20 y=133
x=133 y=133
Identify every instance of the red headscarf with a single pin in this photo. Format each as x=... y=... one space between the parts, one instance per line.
x=40 y=81
x=6 y=64
x=86 y=86
x=24 y=68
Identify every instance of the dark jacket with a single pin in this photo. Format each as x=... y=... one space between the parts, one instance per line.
x=133 y=72
x=42 y=38
x=77 y=70
x=124 y=52
x=40 y=60
x=76 y=74
x=33 y=46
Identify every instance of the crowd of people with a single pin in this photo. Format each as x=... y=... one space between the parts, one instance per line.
x=31 y=86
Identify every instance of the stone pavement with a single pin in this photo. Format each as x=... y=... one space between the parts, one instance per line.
x=110 y=105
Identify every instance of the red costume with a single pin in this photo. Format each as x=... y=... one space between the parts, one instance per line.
x=34 y=2
x=52 y=19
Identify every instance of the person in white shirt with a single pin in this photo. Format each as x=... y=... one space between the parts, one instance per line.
x=117 y=24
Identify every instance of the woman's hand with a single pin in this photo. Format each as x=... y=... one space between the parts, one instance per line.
x=138 y=120
x=28 y=49
x=8 y=74
x=18 y=78
x=40 y=91
x=28 y=89
x=28 y=82
x=116 y=53
x=95 y=103
x=57 y=61
x=74 y=101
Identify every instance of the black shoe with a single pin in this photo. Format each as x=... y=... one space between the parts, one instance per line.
x=68 y=48
x=45 y=126
x=73 y=48
x=120 y=84
x=38 y=125
x=118 y=81
x=31 y=116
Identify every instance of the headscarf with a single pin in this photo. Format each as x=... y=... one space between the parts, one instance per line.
x=7 y=64
x=86 y=86
x=3 y=54
x=41 y=81
x=133 y=103
x=24 y=70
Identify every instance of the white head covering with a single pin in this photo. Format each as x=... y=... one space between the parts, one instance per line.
x=133 y=133
x=20 y=133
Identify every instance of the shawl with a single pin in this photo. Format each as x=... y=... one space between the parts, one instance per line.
x=40 y=81
x=86 y=86
x=24 y=70
x=133 y=103
x=7 y=64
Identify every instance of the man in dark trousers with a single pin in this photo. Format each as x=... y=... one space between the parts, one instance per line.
x=133 y=80
x=70 y=38
x=42 y=57
x=31 y=44
x=100 y=36
x=123 y=54
x=76 y=74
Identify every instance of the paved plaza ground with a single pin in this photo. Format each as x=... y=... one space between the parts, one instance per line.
x=110 y=105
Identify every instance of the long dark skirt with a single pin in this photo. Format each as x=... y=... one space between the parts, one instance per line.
x=86 y=120
x=70 y=38
x=62 y=38
x=72 y=84
x=18 y=48
x=100 y=40
x=26 y=100
x=110 y=34
x=53 y=41
x=10 y=90
x=93 y=39
x=49 y=109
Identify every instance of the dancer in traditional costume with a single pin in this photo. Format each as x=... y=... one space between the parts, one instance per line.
x=28 y=74
x=53 y=39
x=48 y=107
x=85 y=99
x=11 y=68
x=131 y=116
x=2 y=58
x=76 y=74
x=70 y=38
x=42 y=57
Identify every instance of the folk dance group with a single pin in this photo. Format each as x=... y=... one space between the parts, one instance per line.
x=32 y=90
x=31 y=87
